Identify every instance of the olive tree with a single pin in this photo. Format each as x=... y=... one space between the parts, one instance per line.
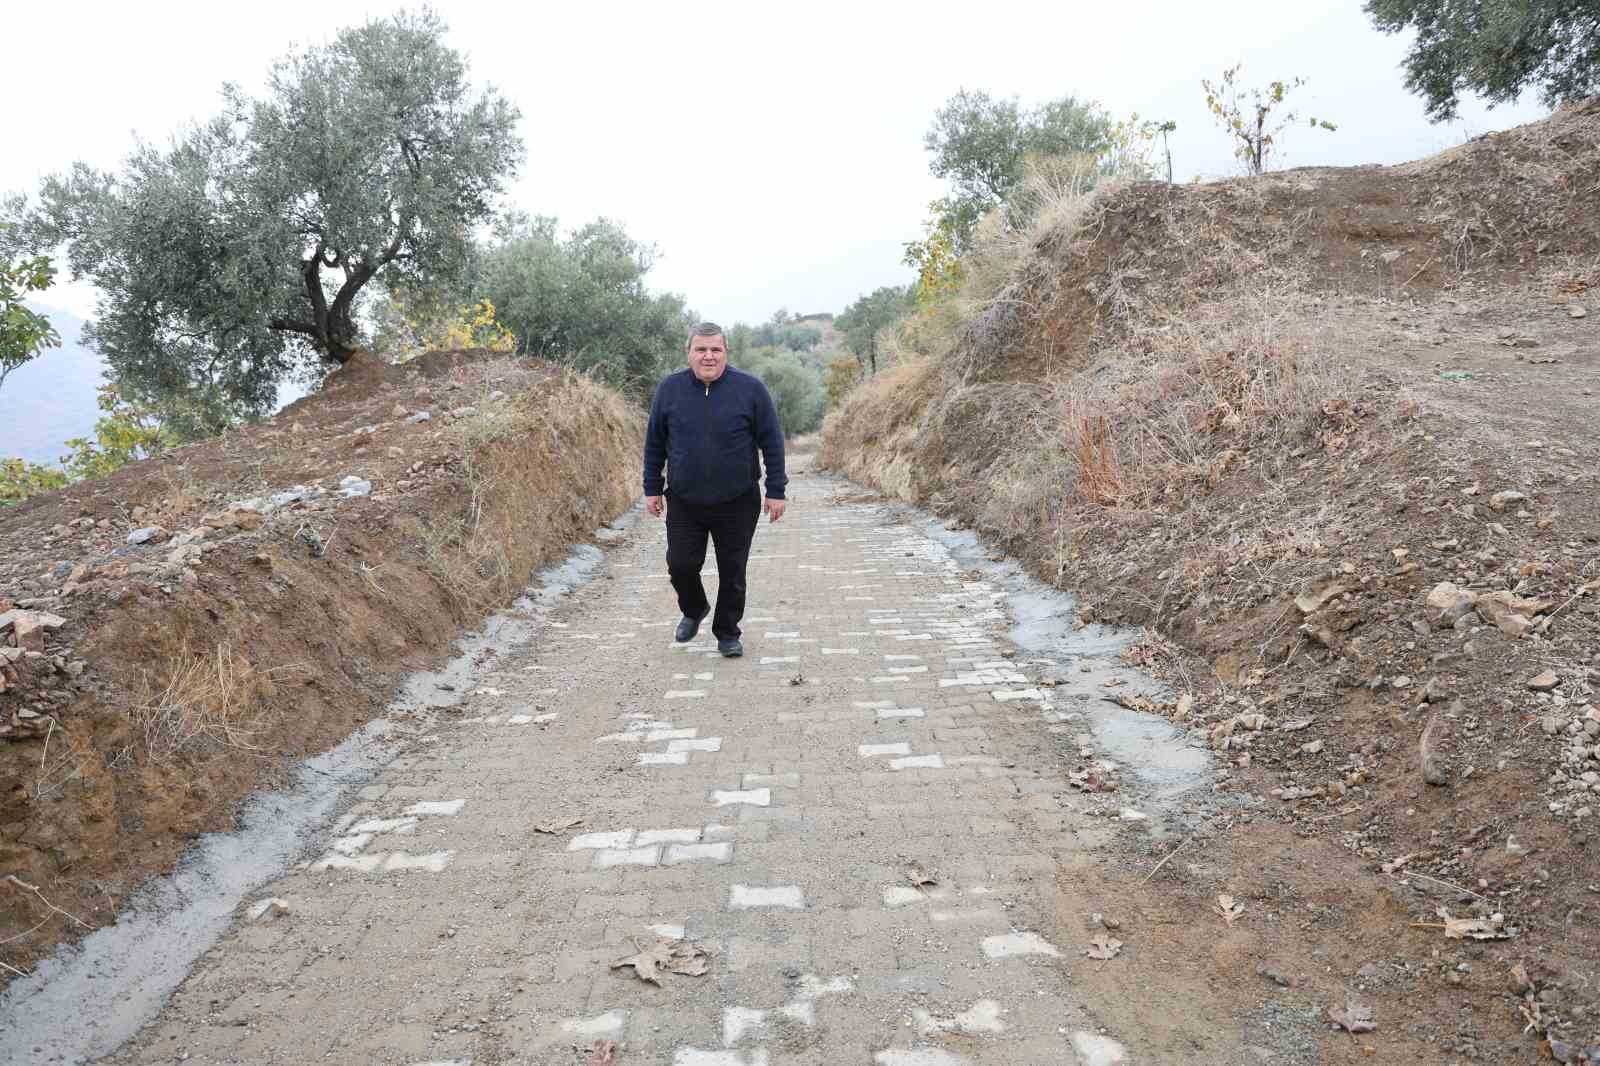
x=243 y=247
x=1496 y=48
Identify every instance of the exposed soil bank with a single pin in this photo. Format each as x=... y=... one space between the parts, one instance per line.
x=277 y=585
x=1280 y=422
x=88 y=998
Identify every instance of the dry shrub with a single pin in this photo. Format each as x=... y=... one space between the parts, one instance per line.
x=204 y=698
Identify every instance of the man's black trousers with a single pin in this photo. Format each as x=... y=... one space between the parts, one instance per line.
x=731 y=526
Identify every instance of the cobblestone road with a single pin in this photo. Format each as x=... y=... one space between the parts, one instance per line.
x=857 y=822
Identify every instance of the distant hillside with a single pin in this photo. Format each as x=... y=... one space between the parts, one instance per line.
x=52 y=398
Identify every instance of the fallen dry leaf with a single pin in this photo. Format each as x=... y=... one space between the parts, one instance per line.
x=1490 y=928
x=919 y=875
x=1228 y=907
x=604 y=1053
x=557 y=825
x=670 y=956
x=1353 y=1017
x=1104 y=947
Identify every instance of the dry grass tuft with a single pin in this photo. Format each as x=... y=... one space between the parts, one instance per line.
x=206 y=698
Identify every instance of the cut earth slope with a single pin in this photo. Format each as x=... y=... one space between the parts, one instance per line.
x=1330 y=434
x=181 y=632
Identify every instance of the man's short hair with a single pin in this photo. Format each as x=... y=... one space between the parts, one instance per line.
x=705 y=329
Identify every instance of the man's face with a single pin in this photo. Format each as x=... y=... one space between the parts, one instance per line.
x=708 y=357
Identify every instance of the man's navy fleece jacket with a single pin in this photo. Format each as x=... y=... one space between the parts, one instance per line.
x=708 y=435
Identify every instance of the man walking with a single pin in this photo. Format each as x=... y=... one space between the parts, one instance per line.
x=706 y=424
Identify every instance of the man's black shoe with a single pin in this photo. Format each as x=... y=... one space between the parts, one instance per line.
x=730 y=649
x=688 y=628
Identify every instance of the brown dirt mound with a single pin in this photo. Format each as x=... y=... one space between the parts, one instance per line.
x=247 y=632
x=1491 y=211
x=1200 y=405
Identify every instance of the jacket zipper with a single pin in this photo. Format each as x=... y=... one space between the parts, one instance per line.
x=705 y=442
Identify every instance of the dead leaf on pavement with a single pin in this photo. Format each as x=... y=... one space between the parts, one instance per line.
x=604 y=1053
x=1104 y=947
x=1353 y=1017
x=671 y=956
x=919 y=875
x=557 y=825
x=1228 y=907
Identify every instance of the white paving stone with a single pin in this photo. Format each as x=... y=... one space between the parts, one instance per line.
x=361 y=863
x=1010 y=945
x=703 y=744
x=609 y=857
x=429 y=808
x=756 y=797
x=745 y=897
x=927 y=1056
x=841 y=651
x=654 y=735
x=433 y=862
x=773 y=660
x=903 y=896
x=663 y=758
x=686 y=694
x=681 y=853
x=619 y=838
x=889 y=713
x=908 y=669
x=870 y=750
x=1011 y=695
x=667 y=931
x=982 y=1017
x=918 y=762
x=666 y=836
x=1096 y=1050
x=607 y=1025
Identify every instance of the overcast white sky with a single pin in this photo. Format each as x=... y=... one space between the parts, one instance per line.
x=774 y=154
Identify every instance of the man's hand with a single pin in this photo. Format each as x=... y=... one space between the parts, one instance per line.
x=774 y=509
x=656 y=505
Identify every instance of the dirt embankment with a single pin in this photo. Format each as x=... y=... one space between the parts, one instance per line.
x=1331 y=434
x=192 y=624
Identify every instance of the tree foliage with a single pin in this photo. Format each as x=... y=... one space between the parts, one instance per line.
x=127 y=432
x=842 y=374
x=978 y=144
x=23 y=333
x=863 y=320
x=582 y=300
x=407 y=325
x=20 y=479
x=796 y=388
x=243 y=248
x=1495 y=48
x=1254 y=117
